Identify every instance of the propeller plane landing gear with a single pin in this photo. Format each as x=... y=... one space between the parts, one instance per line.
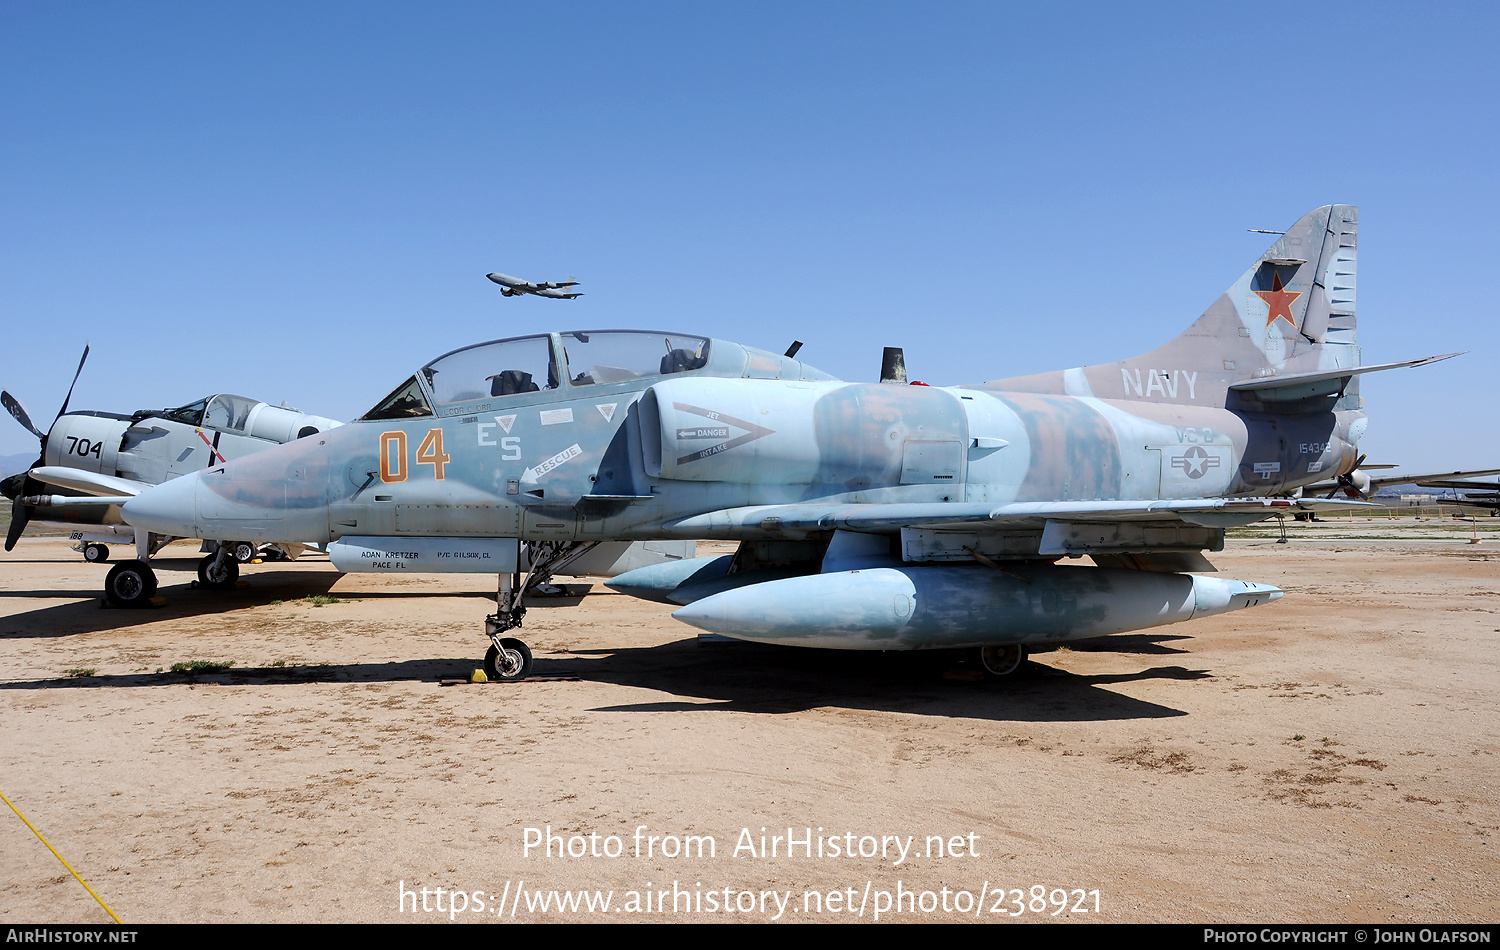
x=218 y=572
x=130 y=584
x=1003 y=661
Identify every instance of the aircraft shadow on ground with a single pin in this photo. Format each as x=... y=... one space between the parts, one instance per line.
x=749 y=677
x=265 y=586
x=185 y=601
x=711 y=677
x=1144 y=644
x=745 y=677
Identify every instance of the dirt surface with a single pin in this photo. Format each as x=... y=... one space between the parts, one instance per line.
x=1330 y=757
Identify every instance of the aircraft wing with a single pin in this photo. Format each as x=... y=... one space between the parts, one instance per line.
x=1429 y=480
x=800 y=519
x=90 y=483
x=1458 y=485
x=1491 y=502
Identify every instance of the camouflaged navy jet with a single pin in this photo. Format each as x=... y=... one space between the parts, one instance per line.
x=869 y=516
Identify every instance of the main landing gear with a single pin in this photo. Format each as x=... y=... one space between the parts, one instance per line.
x=508 y=658
x=130 y=584
x=1001 y=661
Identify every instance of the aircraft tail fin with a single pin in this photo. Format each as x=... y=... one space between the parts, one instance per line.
x=1292 y=312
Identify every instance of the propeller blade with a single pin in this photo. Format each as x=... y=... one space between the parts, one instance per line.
x=69 y=397
x=22 y=484
x=18 y=412
x=1354 y=490
x=19 y=515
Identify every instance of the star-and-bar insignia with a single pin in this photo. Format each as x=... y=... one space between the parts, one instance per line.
x=716 y=430
x=1279 y=301
x=1195 y=462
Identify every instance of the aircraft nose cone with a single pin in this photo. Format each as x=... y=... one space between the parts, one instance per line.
x=169 y=508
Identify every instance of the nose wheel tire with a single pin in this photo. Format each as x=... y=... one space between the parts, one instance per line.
x=130 y=584
x=511 y=662
x=95 y=553
x=1001 y=661
x=218 y=574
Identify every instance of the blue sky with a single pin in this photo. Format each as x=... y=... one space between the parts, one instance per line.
x=300 y=201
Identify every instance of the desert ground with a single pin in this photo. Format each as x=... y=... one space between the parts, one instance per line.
x=1330 y=757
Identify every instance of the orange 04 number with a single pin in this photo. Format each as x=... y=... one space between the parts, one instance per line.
x=393 y=465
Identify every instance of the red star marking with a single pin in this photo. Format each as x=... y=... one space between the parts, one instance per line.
x=1280 y=301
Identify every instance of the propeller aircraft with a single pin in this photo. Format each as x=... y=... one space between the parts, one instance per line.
x=90 y=462
x=1466 y=491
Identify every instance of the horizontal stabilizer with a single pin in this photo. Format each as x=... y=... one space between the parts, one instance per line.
x=1322 y=382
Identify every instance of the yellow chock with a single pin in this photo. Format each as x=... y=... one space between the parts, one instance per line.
x=478 y=677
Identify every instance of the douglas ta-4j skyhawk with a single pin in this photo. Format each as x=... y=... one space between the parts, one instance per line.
x=869 y=516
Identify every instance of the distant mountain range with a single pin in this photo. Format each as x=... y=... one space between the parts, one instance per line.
x=11 y=464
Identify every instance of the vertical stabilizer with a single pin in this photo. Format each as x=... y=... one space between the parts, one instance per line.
x=1291 y=312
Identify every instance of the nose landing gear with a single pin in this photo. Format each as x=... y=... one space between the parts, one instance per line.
x=509 y=659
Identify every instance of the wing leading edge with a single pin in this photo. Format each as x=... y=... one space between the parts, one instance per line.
x=802 y=519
